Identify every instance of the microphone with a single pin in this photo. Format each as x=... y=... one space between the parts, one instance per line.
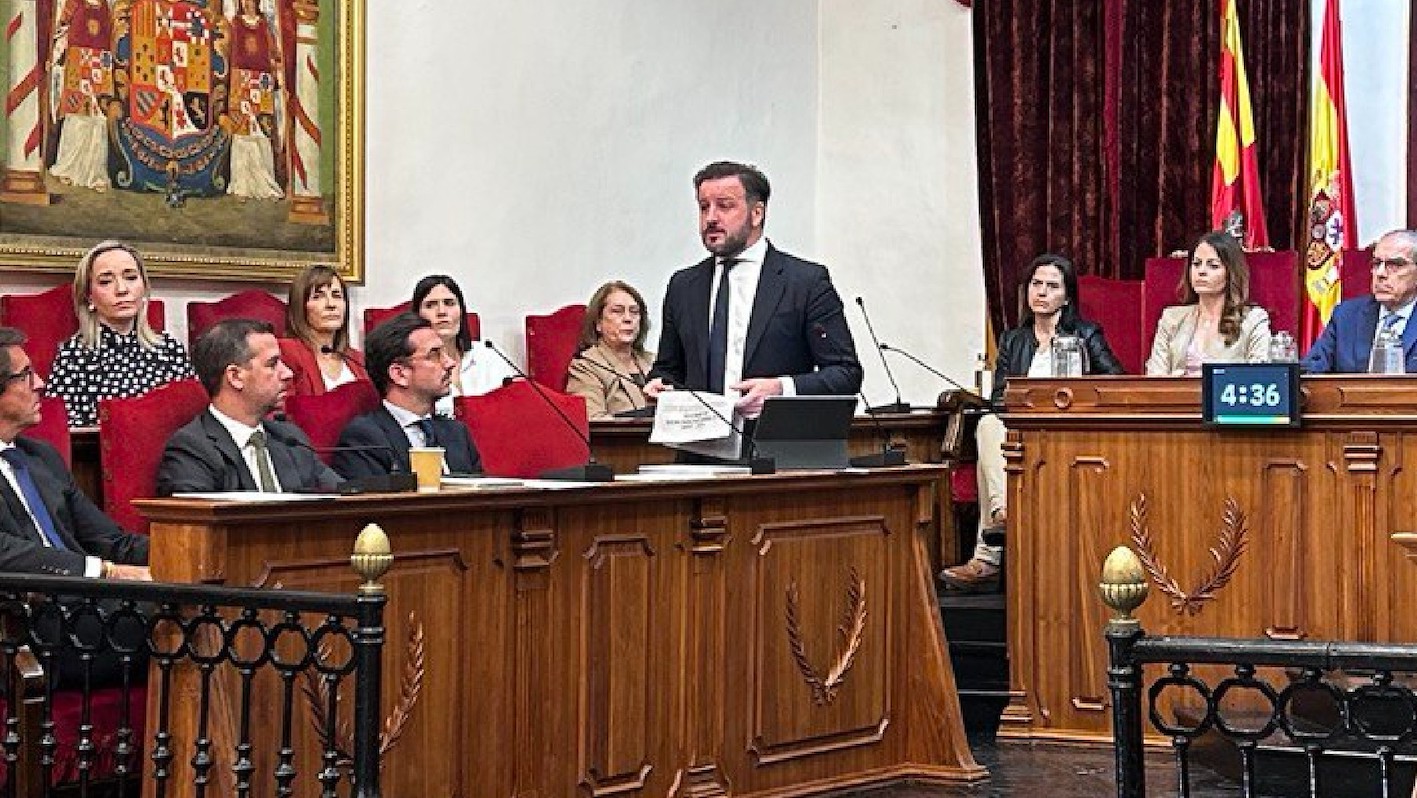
x=590 y=471
x=756 y=464
x=889 y=456
x=885 y=347
x=898 y=406
x=639 y=411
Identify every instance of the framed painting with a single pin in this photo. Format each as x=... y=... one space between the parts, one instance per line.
x=222 y=138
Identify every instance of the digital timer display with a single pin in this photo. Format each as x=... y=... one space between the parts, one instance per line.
x=1250 y=394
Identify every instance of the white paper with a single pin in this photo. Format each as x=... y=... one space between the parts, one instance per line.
x=683 y=422
x=483 y=482
x=257 y=496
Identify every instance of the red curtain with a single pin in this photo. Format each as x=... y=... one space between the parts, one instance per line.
x=1096 y=129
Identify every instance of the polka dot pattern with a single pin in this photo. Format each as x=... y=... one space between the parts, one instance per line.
x=118 y=367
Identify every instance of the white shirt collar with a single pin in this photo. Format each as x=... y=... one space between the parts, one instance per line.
x=403 y=416
x=1404 y=312
x=753 y=254
x=240 y=433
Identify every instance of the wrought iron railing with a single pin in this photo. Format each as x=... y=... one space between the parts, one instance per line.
x=1327 y=700
x=172 y=636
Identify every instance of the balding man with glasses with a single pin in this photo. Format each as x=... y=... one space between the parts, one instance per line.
x=1346 y=344
x=47 y=525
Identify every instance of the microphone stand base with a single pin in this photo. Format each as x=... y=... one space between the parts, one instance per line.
x=762 y=465
x=379 y=483
x=889 y=458
x=893 y=407
x=590 y=472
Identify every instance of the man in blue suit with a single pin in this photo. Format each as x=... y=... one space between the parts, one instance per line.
x=1347 y=341
x=750 y=318
x=410 y=368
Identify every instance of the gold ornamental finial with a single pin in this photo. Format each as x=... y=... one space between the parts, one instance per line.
x=1124 y=587
x=371 y=558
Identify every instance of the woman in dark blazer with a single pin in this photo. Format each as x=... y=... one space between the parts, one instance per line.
x=1051 y=310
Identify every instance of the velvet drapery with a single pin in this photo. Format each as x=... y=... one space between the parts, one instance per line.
x=1096 y=129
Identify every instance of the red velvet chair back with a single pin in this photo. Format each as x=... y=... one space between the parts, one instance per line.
x=53 y=428
x=373 y=317
x=1274 y=286
x=518 y=435
x=242 y=305
x=47 y=318
x=132 y=433
x=551 y=344
x=1356 y=276
x=323 y=416
x=1116 y=305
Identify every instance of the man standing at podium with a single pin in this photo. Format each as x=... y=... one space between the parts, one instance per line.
x=750 y=317
x=1346 y=343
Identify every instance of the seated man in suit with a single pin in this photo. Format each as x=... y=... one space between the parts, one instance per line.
x=47 y=525
x=412 y=370
x=1347 y=340
x=232 y=446
x=750 y=318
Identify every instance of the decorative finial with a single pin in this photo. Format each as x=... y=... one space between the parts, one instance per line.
x=1124 y=587
x=371 y=558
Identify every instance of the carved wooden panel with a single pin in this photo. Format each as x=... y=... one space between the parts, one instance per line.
x=821 y=615
x=1087 y=497
x=1284 y=542
x=619 y=612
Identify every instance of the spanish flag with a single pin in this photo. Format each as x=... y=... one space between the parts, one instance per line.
x=1332 y=224
x=1235 y=202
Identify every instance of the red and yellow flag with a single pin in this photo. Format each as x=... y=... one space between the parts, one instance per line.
x=1332 y=224
x=1235 y=202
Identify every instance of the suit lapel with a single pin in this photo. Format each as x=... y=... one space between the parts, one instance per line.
x=771 y=286
x=283 y=461
x=396 y=437
x=1368 y=330
x=696 y=341
x=53 y=497
x=229 y=451
x=16 y=520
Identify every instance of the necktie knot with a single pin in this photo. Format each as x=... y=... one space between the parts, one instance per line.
x=15 y=458
x=1391 y=320
x=425 y=425
x=257 y=440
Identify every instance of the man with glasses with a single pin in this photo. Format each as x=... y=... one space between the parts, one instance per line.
x=1347 y=341
x=232 y=445
x=47 y=525
x=410 y=368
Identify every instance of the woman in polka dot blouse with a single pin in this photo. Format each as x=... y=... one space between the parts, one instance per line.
x=115 y=353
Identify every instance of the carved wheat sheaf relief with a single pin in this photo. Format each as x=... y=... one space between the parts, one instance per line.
x=1234 y=534
x=317 y=692
x=852 y=630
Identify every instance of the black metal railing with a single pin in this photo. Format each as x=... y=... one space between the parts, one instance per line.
x=245 y=650
x=1323 y=701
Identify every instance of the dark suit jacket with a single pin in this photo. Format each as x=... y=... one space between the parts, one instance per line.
x=1347 y=340
x=83 y=527
x=202 y=457
x=379 y=428
x=797 y=329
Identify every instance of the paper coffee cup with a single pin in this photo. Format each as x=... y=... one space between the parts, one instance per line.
x=427 y=463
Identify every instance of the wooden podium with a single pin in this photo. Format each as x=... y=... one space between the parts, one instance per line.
x=746 y=636
x=1283 y=533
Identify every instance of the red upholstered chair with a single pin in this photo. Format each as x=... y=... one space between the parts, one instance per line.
x=551 y=344
x=1116 y=305
x=373 y=317
x=242 y=305
x=47 y=318
x=1356 y=276
x=53 y=428
x=323 y=416
x=518 y=435
x=131 y=435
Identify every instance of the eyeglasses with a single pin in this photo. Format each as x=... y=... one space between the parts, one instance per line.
x=26 y=374
x=1390 y=264
x=434 y=356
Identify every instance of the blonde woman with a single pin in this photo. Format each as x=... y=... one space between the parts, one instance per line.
x=115 y=353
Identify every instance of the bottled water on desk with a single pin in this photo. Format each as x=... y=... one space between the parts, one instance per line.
x=1067 y=356
x=1387 y=357
x=1282 y=348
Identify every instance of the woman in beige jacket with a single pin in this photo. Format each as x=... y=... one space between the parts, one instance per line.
x=610 y=370
x=1215 y=322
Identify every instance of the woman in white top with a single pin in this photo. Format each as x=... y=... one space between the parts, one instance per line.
x=438 y=299
x=1215 y=322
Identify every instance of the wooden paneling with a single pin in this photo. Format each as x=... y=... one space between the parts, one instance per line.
x=747 y=636
x=1092 y=462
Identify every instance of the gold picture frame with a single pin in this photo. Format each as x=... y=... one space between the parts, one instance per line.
x=197 y=130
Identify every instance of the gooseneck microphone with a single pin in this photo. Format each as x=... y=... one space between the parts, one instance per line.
x=889 y=456
x=396 y=481
x=756 y=464
x=885 y=347
x=590 y=471
x=899 y=405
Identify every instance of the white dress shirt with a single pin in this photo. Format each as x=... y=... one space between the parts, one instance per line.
x=479 y=372
x=93 y=566
x=1403 y=314
x=742 y=290
x=241 y=436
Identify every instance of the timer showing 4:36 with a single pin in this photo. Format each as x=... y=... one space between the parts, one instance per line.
x=1255 y=394
x=1250 y=394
